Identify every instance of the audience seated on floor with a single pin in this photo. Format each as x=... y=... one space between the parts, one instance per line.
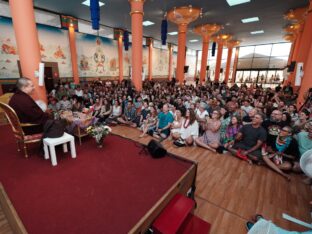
x=257 y=124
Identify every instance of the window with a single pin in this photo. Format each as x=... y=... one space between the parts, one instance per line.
x=278 y=62
x=246 y=52
x=263 y=51
x=244 y=63
x=260 y=63
x=281 y=49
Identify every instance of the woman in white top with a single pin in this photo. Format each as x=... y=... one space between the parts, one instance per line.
x=189 y=129
x=116 y=113
x=176 y=125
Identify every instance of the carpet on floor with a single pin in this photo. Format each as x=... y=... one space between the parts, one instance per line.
x=103 y=190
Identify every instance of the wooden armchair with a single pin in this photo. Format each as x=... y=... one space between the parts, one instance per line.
x=21 y=139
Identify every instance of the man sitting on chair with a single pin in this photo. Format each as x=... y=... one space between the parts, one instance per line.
x=26 y=108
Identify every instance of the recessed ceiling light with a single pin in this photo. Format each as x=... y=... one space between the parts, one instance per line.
x=257 y=32
x=173 y=33
x=87 y=3
x=249 y=20
x=194 y=40
x=148 y=23
x=236 y=2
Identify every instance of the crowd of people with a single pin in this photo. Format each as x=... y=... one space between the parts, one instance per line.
x=257 y=125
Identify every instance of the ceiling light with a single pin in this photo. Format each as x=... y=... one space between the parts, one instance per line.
x=195 y=40
x=249 y=20
x=148 y=23
x=257 y=32
x=87 y=3
x=173 y=33
x=236 y=2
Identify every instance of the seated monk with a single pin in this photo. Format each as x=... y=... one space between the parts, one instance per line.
x=26 y=108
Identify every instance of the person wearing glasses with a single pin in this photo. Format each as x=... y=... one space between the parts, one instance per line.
x=284 y=152
x=273 y=126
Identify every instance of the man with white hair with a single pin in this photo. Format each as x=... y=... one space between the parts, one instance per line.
x=26 y=108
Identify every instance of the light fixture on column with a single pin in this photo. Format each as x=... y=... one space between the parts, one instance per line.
x=207 y=29
x=184 y=14
x=294 y=28
x=232 y=43
x=296 y=15
x=290 y=37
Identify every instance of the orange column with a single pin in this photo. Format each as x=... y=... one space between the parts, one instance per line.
x=203 y=70
x=218 y=62
x=196 y=65
x=306 y=80
x=73 y=53
x=228 y=64
x=291 y=53
x=290 y=59
x=181 y=52
x=27 y=41
x=235 y=64
x=120 y=57
x=150 y=61
x=170 y=63
x=306 y=40
x=291 y=77
x=137 y=41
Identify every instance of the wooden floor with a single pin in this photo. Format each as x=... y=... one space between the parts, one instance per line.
x=229 y=191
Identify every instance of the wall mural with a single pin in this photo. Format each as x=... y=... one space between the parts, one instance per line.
x=8 y=50
x=54 y=47
x=97 y=56
x=127 y=60
x=191 y=62
x=160 y=62
x=174 y=63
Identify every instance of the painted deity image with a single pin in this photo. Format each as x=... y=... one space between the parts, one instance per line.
x=99 y=57
x=7 y=48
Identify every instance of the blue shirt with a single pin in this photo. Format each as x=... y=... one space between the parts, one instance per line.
x=164 y=119
x=304 y=142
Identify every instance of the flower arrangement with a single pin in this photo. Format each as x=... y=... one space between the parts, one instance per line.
x=98 y=132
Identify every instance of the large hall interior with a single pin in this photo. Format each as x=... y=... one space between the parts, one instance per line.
x=156 y=116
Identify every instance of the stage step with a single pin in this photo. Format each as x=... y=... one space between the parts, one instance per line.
x=194 y=225
x=173 y=216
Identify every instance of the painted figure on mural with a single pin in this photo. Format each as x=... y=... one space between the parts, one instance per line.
x=99 y=57
x=84 y=64
x=113 y=64
x=7 y=48
x=59 y=54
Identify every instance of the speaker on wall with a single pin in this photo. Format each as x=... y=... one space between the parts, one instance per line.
x=221 y=70
x=186 y=69
x=156 y=149
x=207 y=68
x=291 y=66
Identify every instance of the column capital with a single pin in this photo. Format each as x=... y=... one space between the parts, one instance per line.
x=182 y=28
x=136 y=1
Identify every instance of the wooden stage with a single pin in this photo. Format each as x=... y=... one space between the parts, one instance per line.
x=229 y=191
